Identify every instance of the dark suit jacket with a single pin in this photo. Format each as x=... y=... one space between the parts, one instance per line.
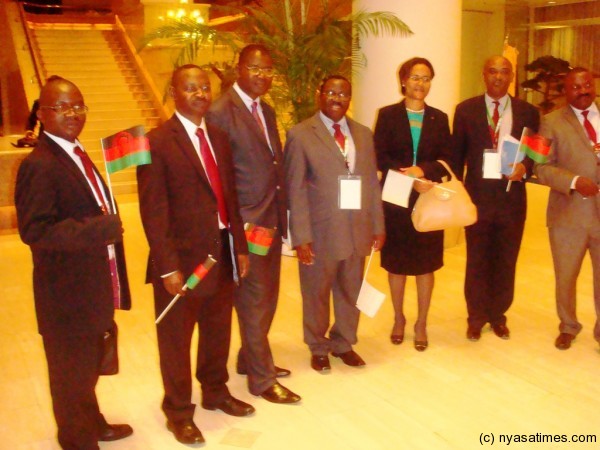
x=393 y=142
x=61 y=221
x=259 y=173
x=470 y=137
x=313 y=163
x=177 y=204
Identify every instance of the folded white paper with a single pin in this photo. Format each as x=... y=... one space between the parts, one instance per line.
x=397 y=188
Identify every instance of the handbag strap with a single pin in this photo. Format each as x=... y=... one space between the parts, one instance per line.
x=447 y=167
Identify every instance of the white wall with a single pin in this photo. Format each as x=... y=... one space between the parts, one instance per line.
x=437 y=29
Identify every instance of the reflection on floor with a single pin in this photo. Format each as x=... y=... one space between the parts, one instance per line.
x=448 y=397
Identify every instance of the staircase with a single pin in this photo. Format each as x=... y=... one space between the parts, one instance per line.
x=94 y=58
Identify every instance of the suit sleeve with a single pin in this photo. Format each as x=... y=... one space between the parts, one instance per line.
x=459 y=143
x=296 y=173
x=154 y=210
x=385 y=153
x=374 y=188
x=441 y=148
x=37 y=202
x=549 y=173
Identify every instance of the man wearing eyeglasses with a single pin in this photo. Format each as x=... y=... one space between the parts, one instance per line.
x=336 y=218
x=493 y=243
x=252 y=128
x=66 y=216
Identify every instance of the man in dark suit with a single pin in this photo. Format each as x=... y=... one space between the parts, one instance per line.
x=65 y=215
x=493 y=242
x=573 y=218
x=328 y=158
x=257 y=159
x=189 y=210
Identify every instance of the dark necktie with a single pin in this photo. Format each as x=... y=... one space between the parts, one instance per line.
x=339 y=136
x=88 y=167
x=212 y=171
x=589 y=128
x=257 y=117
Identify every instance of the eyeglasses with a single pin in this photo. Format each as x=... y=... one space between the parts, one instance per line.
x=255 y=71
x=192 y=89
x=417 y=78
x=63 y=109
x=342 y=96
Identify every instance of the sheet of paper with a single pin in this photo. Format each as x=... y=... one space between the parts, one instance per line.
x=369 y=299
x=491 y=165
x=350 y=192
x=397 y=188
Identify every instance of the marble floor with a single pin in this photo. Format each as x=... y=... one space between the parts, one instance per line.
x=456 y=395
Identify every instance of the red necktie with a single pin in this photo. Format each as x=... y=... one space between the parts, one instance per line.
x=257 y=117
x=589 y=128
x=212 y=171
x=495 y=119
x=339 y=136
x=88 y=167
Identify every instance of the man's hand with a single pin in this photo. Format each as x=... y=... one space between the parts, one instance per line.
x=243 y=265
x=305 y=254
x=174 y=284
x=378 y=241
x=586 y=187
x=518 y=172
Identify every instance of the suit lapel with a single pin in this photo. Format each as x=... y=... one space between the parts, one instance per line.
x=70 y=166
x=183 y=141
x=327 y=138
x=248 y=119
x=573 y=122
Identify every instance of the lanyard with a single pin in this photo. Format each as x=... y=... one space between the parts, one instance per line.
x=495 y=132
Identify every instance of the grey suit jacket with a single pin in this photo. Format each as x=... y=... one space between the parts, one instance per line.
x=313 y=163
x=259 y=174
x=571 y=154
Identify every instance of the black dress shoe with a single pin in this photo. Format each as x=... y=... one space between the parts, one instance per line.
x=231 y=406
x=473 y=333
x=563 y=341
x=185 y=431
x=280 y=394
x=115 y=432
x=501 y=331
x=280 y=372
x=320 y=363
x=397 y=339
x=421 y=346
x=350 y=358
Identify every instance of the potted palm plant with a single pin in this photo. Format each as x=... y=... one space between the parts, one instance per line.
x=307 y=40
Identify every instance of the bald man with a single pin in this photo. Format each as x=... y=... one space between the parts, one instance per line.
x=65 y=216
x=493 y=242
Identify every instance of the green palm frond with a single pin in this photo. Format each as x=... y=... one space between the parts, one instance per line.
x=378 y=23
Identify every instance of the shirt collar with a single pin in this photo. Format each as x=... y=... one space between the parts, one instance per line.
x=245 y=97
x=190 y=126
x=67 y=146
x=489 y=101
x=593 y=109
x=329 y=123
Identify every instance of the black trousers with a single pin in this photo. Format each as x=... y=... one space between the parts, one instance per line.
x=73 y=372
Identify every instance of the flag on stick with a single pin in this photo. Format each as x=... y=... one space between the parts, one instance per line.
x=125 y=149
x=193 y=280
x=259 y=238
x=535 y=146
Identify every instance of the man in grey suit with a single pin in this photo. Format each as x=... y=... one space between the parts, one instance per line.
x=257 y=158
x=336 y=217
x=573 y=217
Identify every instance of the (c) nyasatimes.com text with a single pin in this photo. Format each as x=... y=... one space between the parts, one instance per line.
x=508 y=439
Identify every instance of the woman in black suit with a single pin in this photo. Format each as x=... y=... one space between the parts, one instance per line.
x=410 y=137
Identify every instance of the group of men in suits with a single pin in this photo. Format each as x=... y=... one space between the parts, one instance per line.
x=217 y=170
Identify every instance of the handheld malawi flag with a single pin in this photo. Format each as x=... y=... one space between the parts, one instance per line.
x=126 y=148
x=535 y=146
x=259 y=238
x=200 y=272
x=195 y=278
